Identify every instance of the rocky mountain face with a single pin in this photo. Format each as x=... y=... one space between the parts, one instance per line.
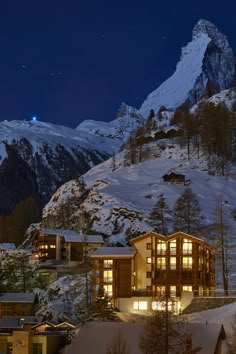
x=207 y=59
x=35 y=160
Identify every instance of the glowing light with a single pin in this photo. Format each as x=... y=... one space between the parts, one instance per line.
x=34 y=118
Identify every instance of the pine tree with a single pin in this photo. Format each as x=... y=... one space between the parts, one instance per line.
x=187 y=212
x=163 y=334
x=103 y=306
x=159 y=215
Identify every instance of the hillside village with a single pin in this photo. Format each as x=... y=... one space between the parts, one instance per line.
x=146 y=236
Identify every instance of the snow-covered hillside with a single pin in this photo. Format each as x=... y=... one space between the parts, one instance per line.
x=208 y=57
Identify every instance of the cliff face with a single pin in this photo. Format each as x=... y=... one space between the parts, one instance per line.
x=208 y=58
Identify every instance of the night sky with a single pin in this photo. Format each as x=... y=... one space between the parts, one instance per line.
x=66 y=61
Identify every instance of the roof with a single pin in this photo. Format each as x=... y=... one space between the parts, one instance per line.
x=16 y=321
x=126 y=252
x=73 y=236
x=204 y=335
x=7 y=246
x=17 y=297
x=169 y=237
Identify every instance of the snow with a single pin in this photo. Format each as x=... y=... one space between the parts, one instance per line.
x=174 y=91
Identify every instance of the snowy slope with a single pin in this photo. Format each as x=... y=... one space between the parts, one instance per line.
x=208 y=57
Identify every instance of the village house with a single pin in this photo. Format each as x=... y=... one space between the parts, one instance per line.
x=62 y=251
x=156 y=268
x=21 y=304
x=7 y=246
x=25 y=335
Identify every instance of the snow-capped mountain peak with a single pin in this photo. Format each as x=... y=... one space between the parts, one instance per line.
x=207 y=58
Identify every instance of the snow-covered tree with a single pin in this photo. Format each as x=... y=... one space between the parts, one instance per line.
x=17 y=272
x=104 y=310
x=187 y=212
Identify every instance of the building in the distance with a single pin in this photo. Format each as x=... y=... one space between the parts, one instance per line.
x=156 y=268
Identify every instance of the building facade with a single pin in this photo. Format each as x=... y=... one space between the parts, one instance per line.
x=175 y=267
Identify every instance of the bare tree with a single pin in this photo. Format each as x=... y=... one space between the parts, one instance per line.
x=118 y=345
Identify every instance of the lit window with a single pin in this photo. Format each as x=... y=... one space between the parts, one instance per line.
x=172 y=262
x=187 y=246
x=161 y=290
x=108 y=289
x=173 y=290
x=161 y=306
x=161 y=263
x=173 y=247
x=107 y=276
x=140 y=305
x=161 y=247
x=187 y=288
x=148 y=246
x=149 y=260
x=187 y=262
x=52 y=246
x=108 y=263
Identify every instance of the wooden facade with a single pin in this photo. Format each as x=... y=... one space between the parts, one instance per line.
x=158 y=266
x=21 y=304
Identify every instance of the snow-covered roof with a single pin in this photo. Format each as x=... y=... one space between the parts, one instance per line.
x=103 y=333
x=7 y=246
x=17 y=297
x=73 y=236
x=17 y=321
x=114 y=252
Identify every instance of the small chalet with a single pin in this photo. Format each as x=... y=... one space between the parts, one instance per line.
x=24 y=334
x=174 y=177
x=21 y=304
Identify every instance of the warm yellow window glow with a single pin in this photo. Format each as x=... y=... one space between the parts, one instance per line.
x=187 y=246
x=107 y=276
x=52 y=246
x=108 y=289
x=187 y=262
x=173 y=290
x=187 y=288
x=172 y=262
x=149 y=260
x=161 y=290
x=140 y=305
x=161 y=305
x=108 y=263
x=161 y=247
x=161 y=263
x=173 y=247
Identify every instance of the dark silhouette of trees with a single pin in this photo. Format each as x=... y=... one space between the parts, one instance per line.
x=118 y=345
x=187 y=212
x=159 y=215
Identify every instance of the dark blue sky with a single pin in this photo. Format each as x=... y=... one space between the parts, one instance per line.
x=66 y=61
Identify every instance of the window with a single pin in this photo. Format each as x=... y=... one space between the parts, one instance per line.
x=107 y=276
x=149 y=260
x=148 y=246
x=161 y=290
x=187 y=262
x=37 y=348
x=148 y=274
x=187 y=288
x=172 y=290
x=172 y=262
x=52 y=246
x=161 y=263
x=161 y=305
x=140 y=305
x=161 y=247
x=108 y=263
x=173 y=247
x=187 y=246
x=108 y=289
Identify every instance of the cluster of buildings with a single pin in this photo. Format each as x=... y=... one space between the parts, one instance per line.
x=154 y=270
